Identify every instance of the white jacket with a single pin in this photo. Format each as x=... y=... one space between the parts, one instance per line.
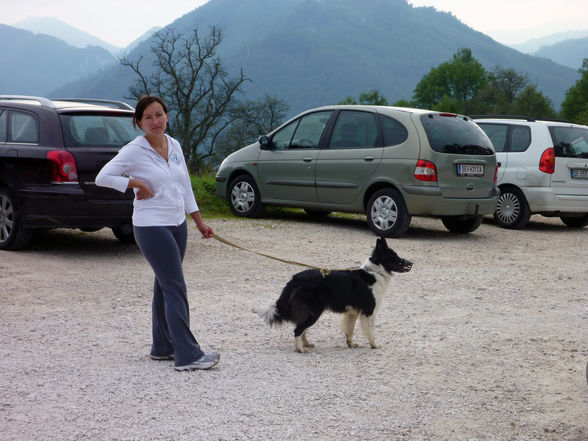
x=169 y=181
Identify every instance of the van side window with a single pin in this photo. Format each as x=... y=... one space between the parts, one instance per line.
x=355 y=129
x=520 y=138
x=24 y=128
x=394 y=132
x=497 y=134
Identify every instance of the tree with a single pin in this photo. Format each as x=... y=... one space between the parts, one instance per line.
x=575 y=105
x=190 y=78
x=531 y=102
x=457 y=80
x=509 y=92
x=372 y=98
x=251 y=119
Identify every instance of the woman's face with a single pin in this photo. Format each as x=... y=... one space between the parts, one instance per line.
x=154 y=121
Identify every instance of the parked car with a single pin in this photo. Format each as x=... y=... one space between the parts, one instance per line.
x=50 y=153
x=390 y=163
x=542 y=169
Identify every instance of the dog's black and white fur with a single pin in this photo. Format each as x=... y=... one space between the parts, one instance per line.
x=354 y=293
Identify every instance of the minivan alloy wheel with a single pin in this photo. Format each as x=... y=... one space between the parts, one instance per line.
x=512 y=210
x=386 y=213
x=244 y=197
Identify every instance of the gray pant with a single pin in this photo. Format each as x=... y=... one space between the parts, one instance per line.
x=164 y=249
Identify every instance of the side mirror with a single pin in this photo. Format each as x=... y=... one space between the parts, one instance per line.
x=264 y=142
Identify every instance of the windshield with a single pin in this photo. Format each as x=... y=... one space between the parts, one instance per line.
x=98 y=130
x=450 y=133
x=570 y=142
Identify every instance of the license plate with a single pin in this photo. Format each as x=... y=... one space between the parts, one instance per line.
x=470 y=170
x=579 y=173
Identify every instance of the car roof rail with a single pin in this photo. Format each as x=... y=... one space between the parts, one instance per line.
x=45 y=102
x=524 y=118
x=108 y=103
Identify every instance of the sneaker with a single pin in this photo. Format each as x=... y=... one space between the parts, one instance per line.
x=162 y=357
x=208 y=360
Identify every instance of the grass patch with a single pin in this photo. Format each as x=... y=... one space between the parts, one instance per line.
x=209 y=203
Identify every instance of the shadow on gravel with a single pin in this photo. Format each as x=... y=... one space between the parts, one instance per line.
x=78 y=243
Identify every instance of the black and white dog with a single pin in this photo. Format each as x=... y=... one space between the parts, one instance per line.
x=354 y=293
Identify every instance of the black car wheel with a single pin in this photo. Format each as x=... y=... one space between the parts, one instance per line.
x=244 y=198
x=456 y=224
x=13 y=234
x=575 y=221
x=512 y=210
x=386 y=213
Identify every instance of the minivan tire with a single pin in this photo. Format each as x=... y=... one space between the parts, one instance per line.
x=512 y=209
x=244 y=197
x=13 y=234
x=386 y=213
x=459 y=225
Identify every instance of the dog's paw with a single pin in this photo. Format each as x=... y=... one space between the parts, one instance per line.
x=375 y=346
x=352 y=345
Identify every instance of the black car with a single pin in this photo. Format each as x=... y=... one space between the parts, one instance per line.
x=50 y=153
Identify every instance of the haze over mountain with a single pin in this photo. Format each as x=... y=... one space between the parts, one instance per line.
x=533 y=45
x=570 y=52
x=35 y=64
x=59 y=29
x=316 y=52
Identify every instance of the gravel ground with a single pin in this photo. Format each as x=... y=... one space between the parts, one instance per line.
x=485 y=339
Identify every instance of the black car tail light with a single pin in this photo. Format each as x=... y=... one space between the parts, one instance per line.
x=63 y=167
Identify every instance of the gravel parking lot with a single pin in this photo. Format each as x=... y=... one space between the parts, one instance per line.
x=485 y=339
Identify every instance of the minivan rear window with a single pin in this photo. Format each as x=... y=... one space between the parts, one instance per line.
x=98 y=130
x=449 y=133
x=570 y=142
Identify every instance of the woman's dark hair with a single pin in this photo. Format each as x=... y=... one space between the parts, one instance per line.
x=142 y=104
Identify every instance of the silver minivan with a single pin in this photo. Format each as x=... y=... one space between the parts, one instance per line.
x=542 y=169
x=390 y=163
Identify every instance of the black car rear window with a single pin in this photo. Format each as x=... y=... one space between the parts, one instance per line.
x=570 y=142
x=449 y=133
x=98 y=129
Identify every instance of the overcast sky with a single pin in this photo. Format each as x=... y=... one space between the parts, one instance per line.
x=119 y=22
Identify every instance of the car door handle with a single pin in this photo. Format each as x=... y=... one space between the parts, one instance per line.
x=368 y=158
x=307 y=159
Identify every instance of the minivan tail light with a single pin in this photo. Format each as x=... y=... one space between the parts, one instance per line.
x=496 y=174
x=547 y=161
x=63 y=167
x=425 y=171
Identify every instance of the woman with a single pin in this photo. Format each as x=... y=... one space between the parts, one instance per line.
x=153 y=165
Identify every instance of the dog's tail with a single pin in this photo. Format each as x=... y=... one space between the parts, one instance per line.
x=271 y=315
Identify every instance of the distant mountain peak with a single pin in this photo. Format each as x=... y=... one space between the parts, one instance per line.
x=66 y=32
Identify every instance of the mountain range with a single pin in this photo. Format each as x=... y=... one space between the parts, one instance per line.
x=316 y=52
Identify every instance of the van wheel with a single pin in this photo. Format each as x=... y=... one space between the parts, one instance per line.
x=13 y=234
x=386 y=213
x=244 y=197
x=124 y=233
x=456 y=224
x=576 y=221
x=512 y=210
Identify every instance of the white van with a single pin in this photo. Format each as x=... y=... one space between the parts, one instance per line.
x=542 y=169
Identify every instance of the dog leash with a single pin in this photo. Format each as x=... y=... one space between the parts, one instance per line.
x=324 y=271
